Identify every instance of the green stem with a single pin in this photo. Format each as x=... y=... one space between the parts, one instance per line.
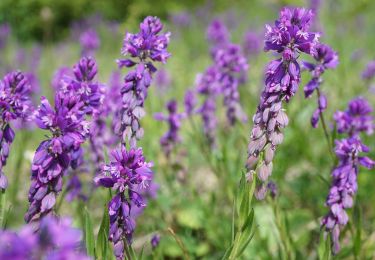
x=13 y=191
x=284 y=237
x=326 y=134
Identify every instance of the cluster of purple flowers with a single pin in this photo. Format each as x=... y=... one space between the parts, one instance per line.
x=326 y=58
x=217 y=34
x=78 y=97
x=127 y=173
x=54 y=239
x=352 y=122
x=220 y=79
x=15 y=104
x=251 y=43
x=369 y=71
x=149 y=45
x=171 y=138
x=290 y=36
x=4 y=34
x=90 y=42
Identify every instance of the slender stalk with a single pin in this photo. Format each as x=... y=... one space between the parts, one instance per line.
x=19 y=163
x=326 y=134
x=180 y=243
x=284 y=237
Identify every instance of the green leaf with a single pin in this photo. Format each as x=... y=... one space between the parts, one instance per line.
x=89 y=234
x=2 y=208
x=358 y=225
x=140 y=257
x=102 y=244
x=244 y=244
x=324 y=249
x=249 y=221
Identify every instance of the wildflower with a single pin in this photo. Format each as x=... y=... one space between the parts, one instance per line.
x=4 y=34
x=171 y=138
x=147 y=46
x=207 y=86
x=155 y=240
x=231 y=66
x=326 y=58
x=163 y=79
x=127 y=173
x=356 y=118
x=190 y=101
x=15 y=104
x=90 y=42
x=217 y=33
x=369 y=71
x=66 y=121
x=344 y=185
x=54 y=239
x=251 y=43
x=289 y=37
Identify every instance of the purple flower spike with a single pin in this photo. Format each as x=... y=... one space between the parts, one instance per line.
x=356 y=118
x=127 y=174
x=344 y=185
x=90 y=42
x=147 y=46
x=289 y=37
x=53 y=239
x=155 y=240
x=190 y=101
x=251 y=43
x=217 y=33
x=15 y=104
x=232 y=66
x=369 y=71
x=170 y=139
x=66 y=121
x=352 y=122
x=325 y=58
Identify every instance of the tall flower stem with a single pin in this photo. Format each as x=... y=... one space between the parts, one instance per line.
x=324 y=126
x=285 y=238
x=18 y=169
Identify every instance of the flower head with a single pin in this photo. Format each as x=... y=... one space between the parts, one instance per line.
x=148 y=43
x=356 y=118
x=344 y=185
x=89 y=41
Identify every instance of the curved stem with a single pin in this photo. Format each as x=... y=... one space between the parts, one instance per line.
x=326 y=134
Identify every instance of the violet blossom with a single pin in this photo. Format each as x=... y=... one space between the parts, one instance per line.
x=325 y=58
x=232 y=65
x=127 y=172
x=251 y=43
x=163 y=79
x=53 y=239
x=90 y=42
x=15 y=104
x=344 y=185
x=217 y=33
x=369 y=71
x=190 y=101
x=147 y=46
x=66 y=121
x=356 y=118
x=289 y=37
x=170 y=139
x=207 y=85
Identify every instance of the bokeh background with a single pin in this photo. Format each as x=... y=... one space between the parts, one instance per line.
x=196 y=200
